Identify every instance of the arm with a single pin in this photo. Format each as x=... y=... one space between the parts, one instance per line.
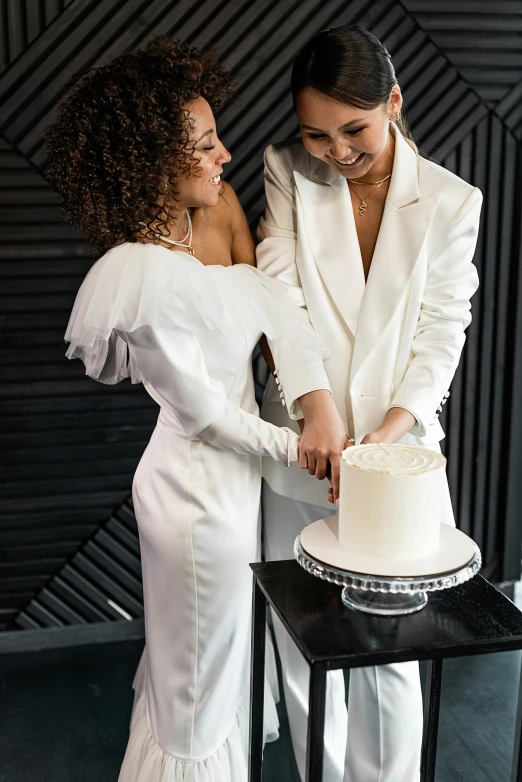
x=275 y=253
x=277 y=231
x=173 y=363
x=439 y=338
x=323 y=435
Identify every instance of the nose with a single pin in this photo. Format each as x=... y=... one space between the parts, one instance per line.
x=224 y=155
x=339 y=149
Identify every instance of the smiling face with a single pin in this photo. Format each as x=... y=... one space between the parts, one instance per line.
x=201 y=187
x=353 y=141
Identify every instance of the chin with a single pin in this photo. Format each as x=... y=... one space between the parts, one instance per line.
x=213 y=200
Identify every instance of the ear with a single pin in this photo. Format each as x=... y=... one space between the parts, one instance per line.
x=395 y=100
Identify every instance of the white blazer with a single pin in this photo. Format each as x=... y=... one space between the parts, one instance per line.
x=395 y=340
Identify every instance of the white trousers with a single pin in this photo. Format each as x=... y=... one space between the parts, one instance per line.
x=378 y=739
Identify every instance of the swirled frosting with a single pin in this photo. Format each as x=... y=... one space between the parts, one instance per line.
x=392 y=500
x=396 y=459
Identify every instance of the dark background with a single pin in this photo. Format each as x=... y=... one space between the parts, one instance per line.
x=69 y=446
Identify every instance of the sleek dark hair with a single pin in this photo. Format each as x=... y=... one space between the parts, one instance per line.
x=349 y=64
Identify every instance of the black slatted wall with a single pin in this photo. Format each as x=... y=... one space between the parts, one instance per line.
x=68 y=446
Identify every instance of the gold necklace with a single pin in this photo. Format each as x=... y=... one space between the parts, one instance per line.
x=356 y=182
x=363 y=205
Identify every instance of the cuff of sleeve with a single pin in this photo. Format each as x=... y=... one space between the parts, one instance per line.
x=292 y=403
x=418 y=429
x=293 y=448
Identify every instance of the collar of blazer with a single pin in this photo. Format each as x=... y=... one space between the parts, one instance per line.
x=325 y=205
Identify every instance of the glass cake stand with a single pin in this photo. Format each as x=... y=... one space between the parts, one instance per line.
x=386 y=596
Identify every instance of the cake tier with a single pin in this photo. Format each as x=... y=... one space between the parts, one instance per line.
x=391 y=500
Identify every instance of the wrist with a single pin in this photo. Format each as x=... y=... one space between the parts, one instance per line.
x=314 y=402
x=384 y=435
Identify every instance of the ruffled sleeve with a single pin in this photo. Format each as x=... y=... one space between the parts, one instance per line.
x=137 y=315
x=131 y=286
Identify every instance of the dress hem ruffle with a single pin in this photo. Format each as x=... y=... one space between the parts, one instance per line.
x=146 y=761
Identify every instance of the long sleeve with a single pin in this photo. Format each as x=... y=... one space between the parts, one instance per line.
x=298 y=359
x=171 y=360
x=445 y=313
x=298 y=355
x=277 y=231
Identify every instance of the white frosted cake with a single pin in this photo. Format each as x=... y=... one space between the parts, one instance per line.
x=392 y=500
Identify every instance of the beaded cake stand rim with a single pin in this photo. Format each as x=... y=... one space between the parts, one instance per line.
x=387 y=584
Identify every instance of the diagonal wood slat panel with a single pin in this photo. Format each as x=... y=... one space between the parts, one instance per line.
x=72 y=443
x=65 y=462
x=102 y=581
x=482 y=39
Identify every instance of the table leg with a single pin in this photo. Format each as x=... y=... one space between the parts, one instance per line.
x=316 y=711
x=431 y=720
x=516 y=772
x=257 y=683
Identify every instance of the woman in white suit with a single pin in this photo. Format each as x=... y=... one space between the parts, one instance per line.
x=376 y=243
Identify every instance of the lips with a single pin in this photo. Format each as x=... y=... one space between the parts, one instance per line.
x=350 y=162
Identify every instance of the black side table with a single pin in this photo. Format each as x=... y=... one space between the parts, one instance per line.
x=474 y=618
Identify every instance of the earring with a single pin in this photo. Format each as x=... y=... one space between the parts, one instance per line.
x=164 y=186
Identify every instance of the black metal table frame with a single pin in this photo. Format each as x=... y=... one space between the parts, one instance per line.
x=316 y=705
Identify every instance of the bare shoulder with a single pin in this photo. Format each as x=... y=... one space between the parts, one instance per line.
x=229 y=204
x=243 y=250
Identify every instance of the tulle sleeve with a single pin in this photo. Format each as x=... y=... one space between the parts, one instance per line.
x=131 y=286
x=136 y=285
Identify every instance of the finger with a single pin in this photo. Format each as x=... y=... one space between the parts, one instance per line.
x=303 y=459
x=335 y=462
x=320 y=470
x=312 y=464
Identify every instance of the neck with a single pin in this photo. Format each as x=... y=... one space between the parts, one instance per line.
x=178 y=225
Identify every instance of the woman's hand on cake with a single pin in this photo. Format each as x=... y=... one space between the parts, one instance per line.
x=396 y=424
x=332 y=495
x=323 y=436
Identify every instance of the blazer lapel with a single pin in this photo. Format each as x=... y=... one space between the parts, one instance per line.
x=404 y=225
x=325 y=212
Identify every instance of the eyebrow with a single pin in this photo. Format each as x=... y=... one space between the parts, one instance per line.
x=343 y=127
x=206 y=133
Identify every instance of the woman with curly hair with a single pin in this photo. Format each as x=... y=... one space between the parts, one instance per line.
x=175 y=302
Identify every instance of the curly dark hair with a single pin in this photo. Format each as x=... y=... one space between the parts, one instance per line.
x=122 y=131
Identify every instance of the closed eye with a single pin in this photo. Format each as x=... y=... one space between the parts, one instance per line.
x=318 y=136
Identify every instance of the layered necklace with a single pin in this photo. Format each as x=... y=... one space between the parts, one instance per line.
x=363 y=205
x=185 y=242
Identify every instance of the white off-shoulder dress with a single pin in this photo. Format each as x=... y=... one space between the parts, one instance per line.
x=187 y=331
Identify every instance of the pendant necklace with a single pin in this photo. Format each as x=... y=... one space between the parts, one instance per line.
x=182 y=242
x=363 y=205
